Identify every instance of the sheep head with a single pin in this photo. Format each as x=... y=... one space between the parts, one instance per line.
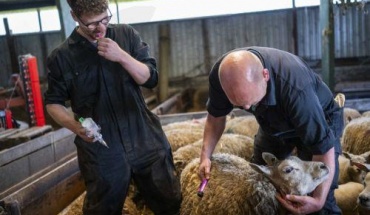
x=292 y=175
x=364 y=197
x=358 y=167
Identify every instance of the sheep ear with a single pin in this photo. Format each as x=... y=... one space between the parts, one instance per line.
x=366 y=155
x=261 y=169
x=269 y=158
x=347 y=155
x=362 y=166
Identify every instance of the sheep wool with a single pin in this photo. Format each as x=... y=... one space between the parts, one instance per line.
x=179 y=137
x=346 y=196
x=236 y=144
x=356 y=136
x=234 y=188
x=239 y=187
x=350 y=114
x=246 y=125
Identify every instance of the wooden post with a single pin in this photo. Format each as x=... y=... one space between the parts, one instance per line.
x=67 y=23
x=206 y=47
x=327 y=42
x=164 y=60
x=295 y=30
x=11 y=47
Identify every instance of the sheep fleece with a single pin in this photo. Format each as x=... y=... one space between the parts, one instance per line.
x=234 y=188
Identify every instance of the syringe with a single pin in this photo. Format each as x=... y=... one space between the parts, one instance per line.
x=93 y=130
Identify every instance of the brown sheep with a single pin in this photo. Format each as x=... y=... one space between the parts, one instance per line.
x=239 y=187
x=356 y=136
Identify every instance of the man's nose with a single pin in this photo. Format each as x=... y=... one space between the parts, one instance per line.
x=246 y=107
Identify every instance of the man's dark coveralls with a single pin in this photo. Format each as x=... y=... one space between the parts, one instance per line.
x=298 y=111
x=138 y=147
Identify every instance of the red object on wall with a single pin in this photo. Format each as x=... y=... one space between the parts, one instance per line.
x=35 y=107
x=8 y=119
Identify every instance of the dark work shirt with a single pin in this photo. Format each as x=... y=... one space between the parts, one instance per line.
x=105 y=91
x=297 y=101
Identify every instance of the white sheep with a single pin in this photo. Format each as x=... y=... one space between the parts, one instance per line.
x=366 y=114
x=239 y=187
x=236 y=144
x=187 y=124
x=356 y=136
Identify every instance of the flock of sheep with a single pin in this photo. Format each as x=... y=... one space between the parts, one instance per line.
x=239 y=187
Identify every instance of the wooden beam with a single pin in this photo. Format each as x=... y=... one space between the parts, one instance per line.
x=327 y=42
x=164 y=60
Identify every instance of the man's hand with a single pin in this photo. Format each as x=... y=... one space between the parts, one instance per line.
x=205 y=168
x=83 y=133
x=299 y=204
x=110 y=50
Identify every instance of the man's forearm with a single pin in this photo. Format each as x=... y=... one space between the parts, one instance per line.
x=322 y=190
x=63 y=117
x=212 y=132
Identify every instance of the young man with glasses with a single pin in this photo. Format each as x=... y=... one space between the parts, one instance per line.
x=99 y=69
x=294 y=108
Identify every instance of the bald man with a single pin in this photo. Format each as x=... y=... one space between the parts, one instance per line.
x=294 y=108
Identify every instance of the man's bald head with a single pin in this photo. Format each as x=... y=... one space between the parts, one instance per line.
x=240 y=74
x=240 y=65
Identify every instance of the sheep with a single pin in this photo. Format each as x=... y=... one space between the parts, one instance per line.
x=246 y=125
x=356 y=136
x=364 y=197
x=346 y=197
x=179 y=137
x=353 y=198
x=349 y=171
x=350 y=114
x=130 y=207
x=237 y=144
x=366 y=114
x=187 y=124
x=340 y=98
x=237 y=186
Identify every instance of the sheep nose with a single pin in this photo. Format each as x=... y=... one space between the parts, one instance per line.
x=363 y=199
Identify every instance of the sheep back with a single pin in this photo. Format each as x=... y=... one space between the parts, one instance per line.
x=246 y=125
x=234 y=188
x=356 y=136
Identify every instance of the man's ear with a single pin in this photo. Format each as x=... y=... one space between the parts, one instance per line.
x=73 y=16
x=266 y=74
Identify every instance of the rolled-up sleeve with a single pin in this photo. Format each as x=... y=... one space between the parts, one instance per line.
x=141 y=53
x=308 y=118
x=57 y=92
x=218 y=104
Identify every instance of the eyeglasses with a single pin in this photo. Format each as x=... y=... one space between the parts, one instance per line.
x=94 y=25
